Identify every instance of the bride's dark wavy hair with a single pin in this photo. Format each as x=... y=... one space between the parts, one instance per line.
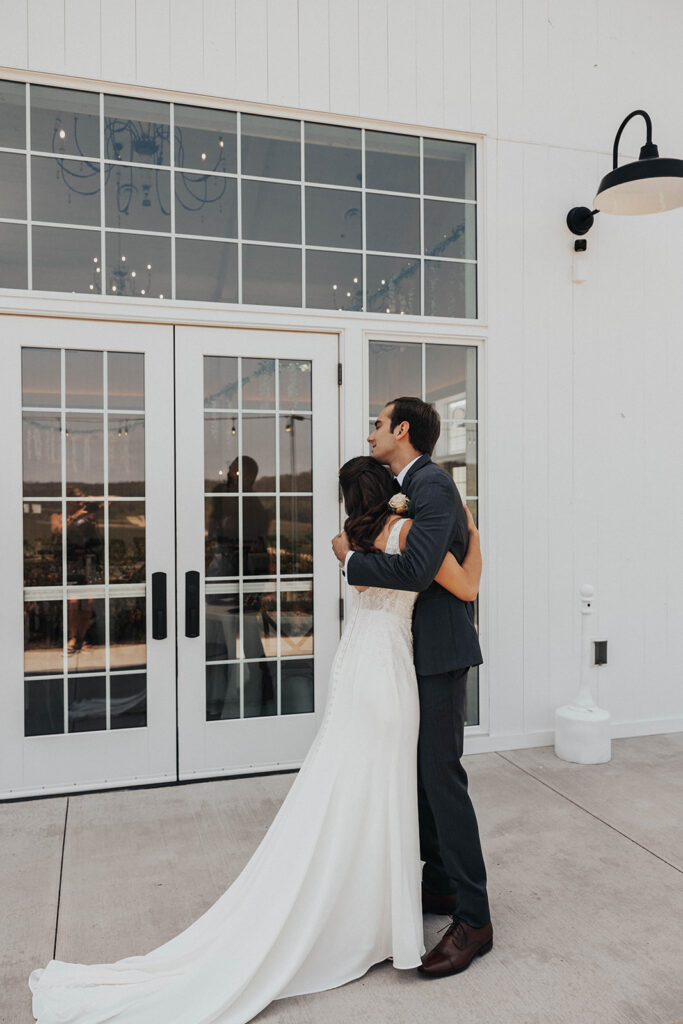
x=366 y=487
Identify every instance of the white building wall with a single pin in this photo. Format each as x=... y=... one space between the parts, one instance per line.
x=582 y=440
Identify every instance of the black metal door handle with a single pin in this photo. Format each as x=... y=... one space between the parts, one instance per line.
x=192 y=603
x=159 y=631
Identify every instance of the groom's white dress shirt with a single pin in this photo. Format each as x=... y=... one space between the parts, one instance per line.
x=397 y=476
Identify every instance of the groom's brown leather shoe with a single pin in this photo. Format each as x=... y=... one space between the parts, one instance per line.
x=457 y=949
x=442 y=903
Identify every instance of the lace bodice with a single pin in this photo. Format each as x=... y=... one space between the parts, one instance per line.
x=395 y=602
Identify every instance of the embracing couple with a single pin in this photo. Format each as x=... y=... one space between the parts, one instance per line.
x=336 y=884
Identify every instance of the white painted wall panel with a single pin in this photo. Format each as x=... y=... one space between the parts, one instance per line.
x=373 y=58
x=429 y=39
x=82 y=38
x=119 y=43
x=251 y=81
x=344 y=49
x=314 y=74
x=283 y=53
x=186 y=46
x=153 y=41
x=220 y=48
x=457 y=104
x=402 y=61
x=46 y=36
x=14 y=35
x=483 y=69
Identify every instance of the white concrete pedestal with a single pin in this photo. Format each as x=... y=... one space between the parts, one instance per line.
x=583 y=735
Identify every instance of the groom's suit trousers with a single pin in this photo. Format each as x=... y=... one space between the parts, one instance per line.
x=449 y=834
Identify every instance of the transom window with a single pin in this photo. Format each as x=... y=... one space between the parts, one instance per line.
x=118 y=196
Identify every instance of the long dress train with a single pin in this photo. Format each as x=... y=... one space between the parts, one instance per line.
x=333 y=887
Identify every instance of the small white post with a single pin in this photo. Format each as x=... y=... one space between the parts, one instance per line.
x=582 y=729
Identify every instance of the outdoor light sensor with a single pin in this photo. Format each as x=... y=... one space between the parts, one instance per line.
x=651 y=184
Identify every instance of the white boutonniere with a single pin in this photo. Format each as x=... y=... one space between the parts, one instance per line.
x=399 y=503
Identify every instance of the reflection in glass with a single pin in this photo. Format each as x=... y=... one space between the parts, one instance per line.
x=395 y=370
x=456 y=452
x=127 y=632
x=333 y=154
x=222 y=692
x=86 y=640
x=221 y=549
x=13 y=256
x=84 y=453
x=450 y=229
x=259 y=619
x=65 y=191
x=223 y=623
x=13 y=191
x=295 y=383
x=43 y=637
x=206 y=271
x=296 y=469
x=205 y=138
x=393 y=284
x=126 y=542
x=42 y=544
x=138 y=265
x=451 y=380
x=126 y=380
x=334 y=281
x=43 y=707
x=64 y=259
x=271 y=211
x=128 y=701
x=83 y=379
x=260 y=689
x=138 y=198
x=205 y=205
x=41 y=377
x=87 y=703
x=84 y=542
x=220 y=382
x=393 y=223
x=271 y=147
x=42 y=453
x=126 y=455
x=296 y=535
x=221 y=439
x=297 y=693
x=65 y=121
x=450 y=289
x=258 y=452
x=296 y=618
x=392 y=162
x=271 y=276
x=334 y=218
x=449 y=168
x=258 y=534
x=13 y=115
x=258 y=383
x=136 y=130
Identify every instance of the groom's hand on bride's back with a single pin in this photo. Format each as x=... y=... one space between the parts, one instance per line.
x=341 y=546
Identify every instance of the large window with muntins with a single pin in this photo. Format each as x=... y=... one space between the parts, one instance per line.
x=84 y=540
x=446 y=376
x=120 y=196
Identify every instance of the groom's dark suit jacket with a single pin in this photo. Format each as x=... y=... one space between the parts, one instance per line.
x=444 y=636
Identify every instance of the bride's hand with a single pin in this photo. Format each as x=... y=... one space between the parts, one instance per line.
x=471 y=525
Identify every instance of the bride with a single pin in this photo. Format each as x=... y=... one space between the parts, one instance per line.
x=334 y=886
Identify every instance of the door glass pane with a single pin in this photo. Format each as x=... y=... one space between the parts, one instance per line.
x=84 y=555
x=446 y=376
x=257 y=451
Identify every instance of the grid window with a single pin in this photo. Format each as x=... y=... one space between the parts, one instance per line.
x=269 y=211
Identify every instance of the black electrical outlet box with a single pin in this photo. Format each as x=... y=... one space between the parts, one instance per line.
x=600 y=652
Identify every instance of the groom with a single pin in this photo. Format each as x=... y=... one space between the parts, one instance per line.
x=445 y=646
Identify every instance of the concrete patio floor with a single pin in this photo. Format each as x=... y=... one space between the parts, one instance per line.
x=585 y=867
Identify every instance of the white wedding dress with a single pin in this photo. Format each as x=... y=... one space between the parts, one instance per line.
x=333 y=887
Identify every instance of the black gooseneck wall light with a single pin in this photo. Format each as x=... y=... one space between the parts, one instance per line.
x=650 y=184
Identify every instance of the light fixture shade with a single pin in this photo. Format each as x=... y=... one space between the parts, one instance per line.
x=644 y=186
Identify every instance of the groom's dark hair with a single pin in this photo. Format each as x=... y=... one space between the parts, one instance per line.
x=424 y=420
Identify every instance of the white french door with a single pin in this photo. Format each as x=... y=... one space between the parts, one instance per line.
x=88 y=693
x=124 y=486
x=258 y=590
